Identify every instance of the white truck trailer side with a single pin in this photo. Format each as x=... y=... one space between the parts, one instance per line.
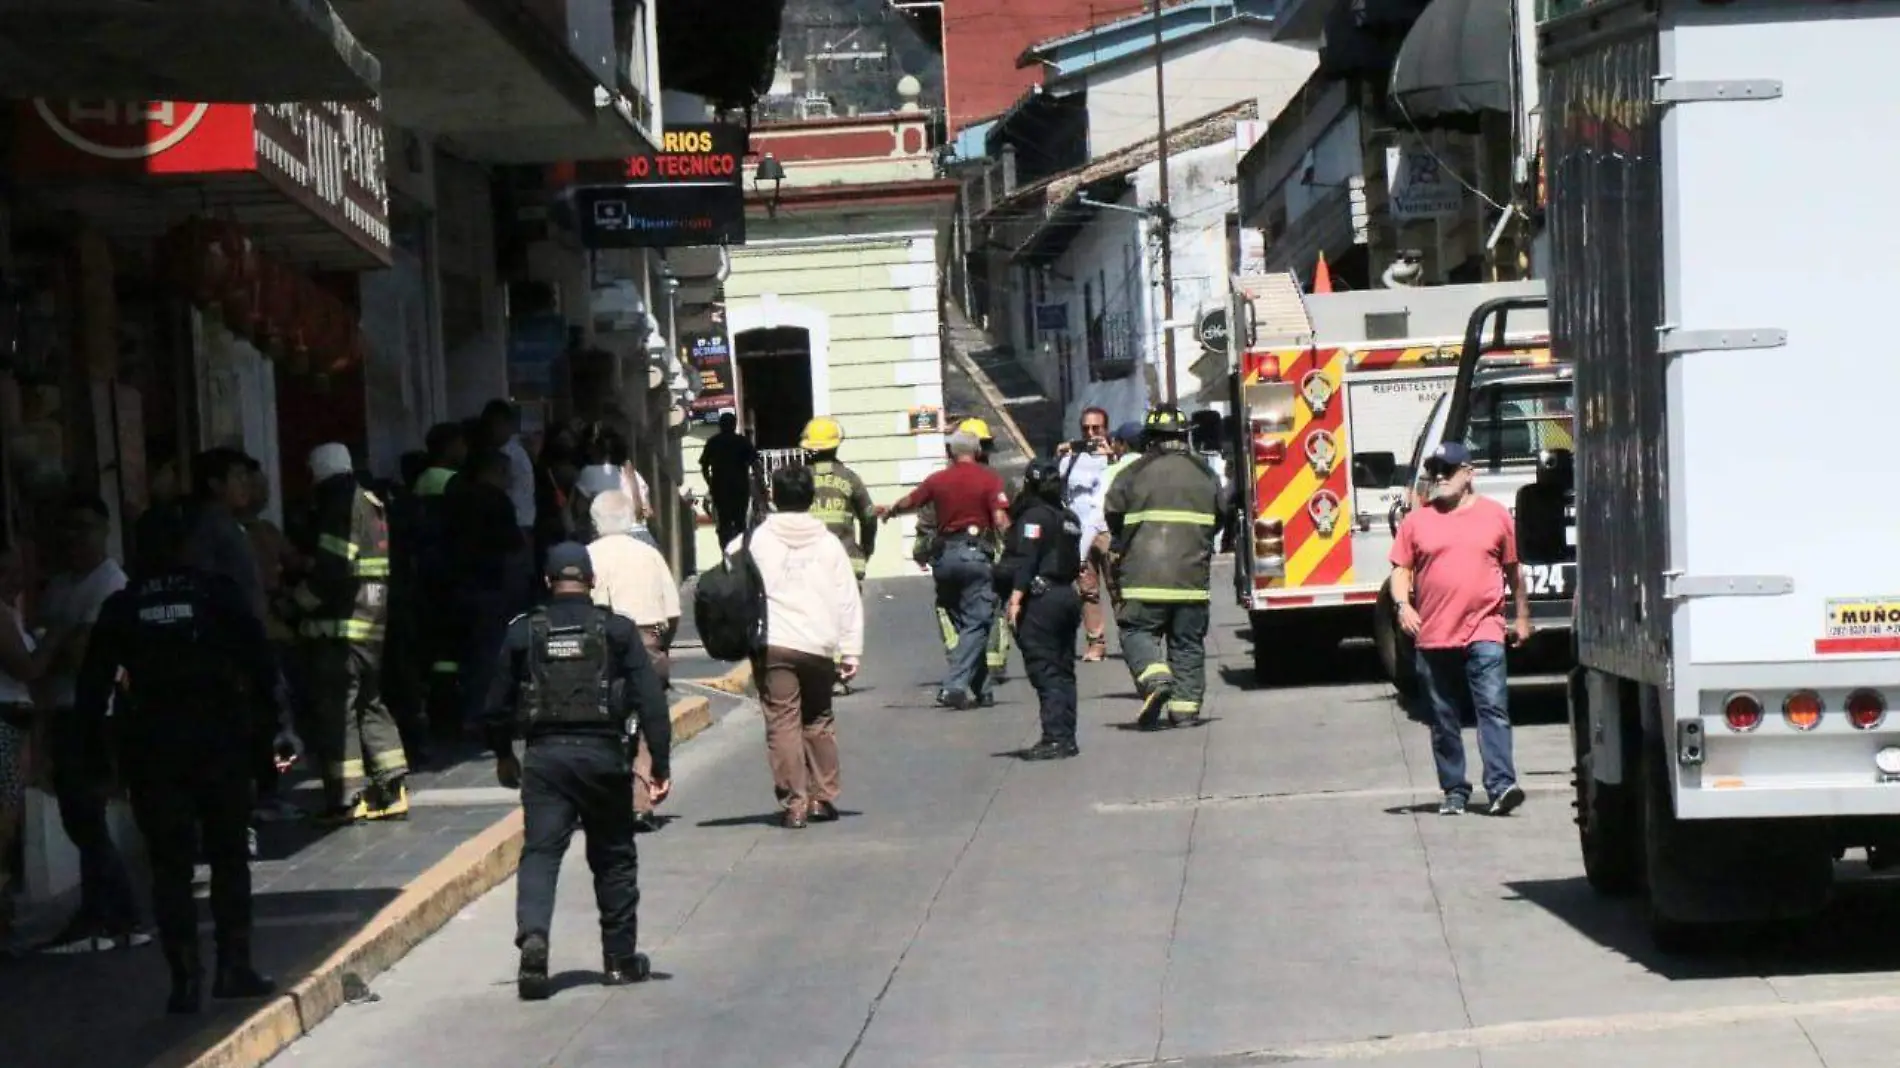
x=1738 y=610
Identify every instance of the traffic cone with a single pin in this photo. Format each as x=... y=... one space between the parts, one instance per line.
x=1322 y=276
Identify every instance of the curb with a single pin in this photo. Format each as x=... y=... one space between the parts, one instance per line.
x=424 y=907
x=734 y=681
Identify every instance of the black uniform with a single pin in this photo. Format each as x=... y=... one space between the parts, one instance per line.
x=574 y=674
x=197 y=665
x=1045 y=555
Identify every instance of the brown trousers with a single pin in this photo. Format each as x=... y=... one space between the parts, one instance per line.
x=801 y=738
x=1090 y=584
x=643 y=760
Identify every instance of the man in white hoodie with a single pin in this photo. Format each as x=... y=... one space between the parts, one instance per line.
x=814 y=626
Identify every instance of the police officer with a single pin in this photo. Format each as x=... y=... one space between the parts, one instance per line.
x=1163 y=515
x=1044 y=559
x=197 y=668
x=346 y=604
x=576 y=679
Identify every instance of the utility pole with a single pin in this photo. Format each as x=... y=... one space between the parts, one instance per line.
x=1162 y=215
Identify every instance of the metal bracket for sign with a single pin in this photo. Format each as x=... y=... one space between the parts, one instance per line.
x=1680 y=587
x=1672 y=341
x=1670 y=91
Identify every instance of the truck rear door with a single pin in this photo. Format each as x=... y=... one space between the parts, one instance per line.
x=1775 y=306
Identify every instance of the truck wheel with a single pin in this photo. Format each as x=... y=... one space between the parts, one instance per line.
x=1394 y=646
x=1662 y=846
x=1607 y=829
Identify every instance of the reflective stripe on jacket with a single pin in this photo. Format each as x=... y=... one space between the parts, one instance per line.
x=1168 y=508
x=347 y=594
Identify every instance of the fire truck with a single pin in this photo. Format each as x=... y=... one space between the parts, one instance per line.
x=1329 y=403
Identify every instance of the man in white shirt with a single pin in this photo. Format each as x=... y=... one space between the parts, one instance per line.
x=1085 y=475
x=107 y=916
x=502 y=424
x=632 y=579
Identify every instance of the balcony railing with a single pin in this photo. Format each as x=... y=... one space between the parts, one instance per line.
x=1114 y=346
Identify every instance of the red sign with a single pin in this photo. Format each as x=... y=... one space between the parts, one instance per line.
x=327 y=157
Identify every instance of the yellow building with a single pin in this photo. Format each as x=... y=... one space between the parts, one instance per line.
x=832 y=306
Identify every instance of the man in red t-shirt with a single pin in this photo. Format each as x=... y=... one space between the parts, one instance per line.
x=1451 y=565
x=970 y=502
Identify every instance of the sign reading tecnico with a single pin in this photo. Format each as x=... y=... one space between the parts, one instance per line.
x=690 y=191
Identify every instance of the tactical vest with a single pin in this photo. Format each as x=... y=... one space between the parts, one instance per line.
x=570 y=679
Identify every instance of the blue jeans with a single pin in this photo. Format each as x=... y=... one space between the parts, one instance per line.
x=966 y=590
x=1452 y=681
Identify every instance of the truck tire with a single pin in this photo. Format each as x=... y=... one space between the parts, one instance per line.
x=1267 y=649
x=1661 y=837
x=1608 y=832
x=1394 y=646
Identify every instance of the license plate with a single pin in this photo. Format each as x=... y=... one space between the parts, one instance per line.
x=1550 y=580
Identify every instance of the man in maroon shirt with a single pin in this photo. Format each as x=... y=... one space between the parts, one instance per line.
x=1451 y=564
x=970 y=502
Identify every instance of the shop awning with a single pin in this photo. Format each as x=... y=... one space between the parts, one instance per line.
x=199 y=50
x=1455 y=65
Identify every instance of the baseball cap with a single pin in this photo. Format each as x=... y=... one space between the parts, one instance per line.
x=569 y=562
x=1129 y=432
x=1449 y=456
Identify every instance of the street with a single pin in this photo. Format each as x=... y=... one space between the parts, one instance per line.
x=1272 y=888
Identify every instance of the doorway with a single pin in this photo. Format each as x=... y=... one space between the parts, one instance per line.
x=774 y=385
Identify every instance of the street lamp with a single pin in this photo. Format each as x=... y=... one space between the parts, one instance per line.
x=770 y=170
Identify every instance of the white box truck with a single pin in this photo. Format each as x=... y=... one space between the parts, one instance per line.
x=1708 y=167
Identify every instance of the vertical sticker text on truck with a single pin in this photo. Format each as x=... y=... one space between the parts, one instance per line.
x=1861 y=625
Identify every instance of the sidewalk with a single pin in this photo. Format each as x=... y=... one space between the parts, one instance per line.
x=327 y=902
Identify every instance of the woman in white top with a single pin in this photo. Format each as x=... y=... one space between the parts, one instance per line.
x=22 y=663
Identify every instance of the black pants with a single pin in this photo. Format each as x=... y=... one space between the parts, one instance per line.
x=586 y=782
x=185 y=803
x=1046 y=634
x=729 y=516
x=81 y=773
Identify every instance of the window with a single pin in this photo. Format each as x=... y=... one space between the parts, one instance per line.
x=1511 y=423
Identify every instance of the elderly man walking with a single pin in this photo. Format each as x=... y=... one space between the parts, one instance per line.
x=972 y=511
x=632 y=579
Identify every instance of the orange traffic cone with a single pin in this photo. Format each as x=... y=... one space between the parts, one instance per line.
x=1322 y=276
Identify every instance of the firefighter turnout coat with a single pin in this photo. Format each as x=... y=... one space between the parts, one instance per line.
x=1164 y=510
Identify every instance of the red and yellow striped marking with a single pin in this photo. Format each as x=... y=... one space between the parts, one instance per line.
x=1409 y=358
x=1283 y=491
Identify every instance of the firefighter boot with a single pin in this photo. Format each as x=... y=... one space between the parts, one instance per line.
x=1153 y=705
x=531 y=981
x=236 y=978
x=188 y=979
x=384 y=803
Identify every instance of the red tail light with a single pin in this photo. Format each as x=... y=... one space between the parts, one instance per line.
x=1866 y=708
x=1269 y=450
x=1742 y=711
x=1269 y=366
x=1802 y=710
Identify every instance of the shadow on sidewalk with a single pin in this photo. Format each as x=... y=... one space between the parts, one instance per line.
x=106 y=1010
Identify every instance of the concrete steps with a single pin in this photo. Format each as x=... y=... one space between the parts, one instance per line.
x=987 y=380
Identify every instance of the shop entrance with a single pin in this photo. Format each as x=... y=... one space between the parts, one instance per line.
x=774 y=385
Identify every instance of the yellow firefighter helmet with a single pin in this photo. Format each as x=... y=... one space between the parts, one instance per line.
x=821 y=435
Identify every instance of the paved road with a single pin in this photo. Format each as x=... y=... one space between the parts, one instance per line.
x=1273 y=888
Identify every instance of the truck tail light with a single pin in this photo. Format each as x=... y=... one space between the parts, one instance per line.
x=1866 y=708
x=1268 y=367
x=1742 y=711
x=1269 y=546
x=1269 y=450
x=1802 y=710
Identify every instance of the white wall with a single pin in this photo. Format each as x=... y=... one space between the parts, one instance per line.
x=1115 y=246
x=1204 y=74
x=1336 y=158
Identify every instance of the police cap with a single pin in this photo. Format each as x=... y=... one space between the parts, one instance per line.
x=569 y=562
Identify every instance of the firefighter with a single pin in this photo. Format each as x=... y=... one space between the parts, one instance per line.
x=843 y=505
x=1163 y=514
x=201 y=684
x=575 y=678
x=344 y=601
x=1043 y=561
